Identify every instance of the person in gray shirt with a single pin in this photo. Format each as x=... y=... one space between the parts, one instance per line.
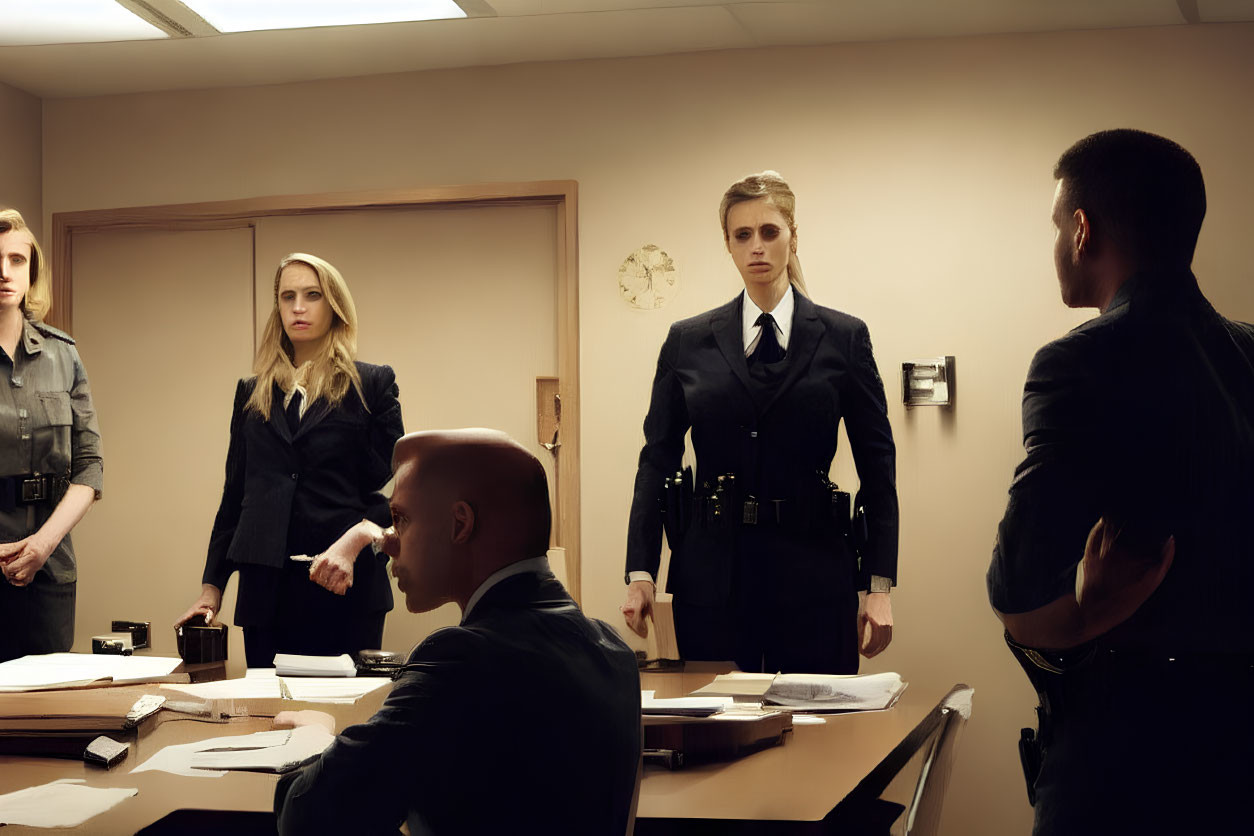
x=50 y=466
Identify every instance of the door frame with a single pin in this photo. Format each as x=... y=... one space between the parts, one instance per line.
x=225 y=214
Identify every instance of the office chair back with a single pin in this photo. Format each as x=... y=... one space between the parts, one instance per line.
x=635 y=796
x=904 y=793
x=923 y=816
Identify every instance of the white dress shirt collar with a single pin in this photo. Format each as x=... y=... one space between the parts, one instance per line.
x=782 y=315
x=536 y=565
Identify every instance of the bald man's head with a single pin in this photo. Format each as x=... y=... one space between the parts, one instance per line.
x=465 y=503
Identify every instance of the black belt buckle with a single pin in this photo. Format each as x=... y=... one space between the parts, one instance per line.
x=34 y=489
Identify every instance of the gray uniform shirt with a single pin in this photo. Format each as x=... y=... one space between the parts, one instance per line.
x=47 y=426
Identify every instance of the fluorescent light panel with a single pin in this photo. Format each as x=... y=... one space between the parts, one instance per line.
x=253 y=15
x=26 y=22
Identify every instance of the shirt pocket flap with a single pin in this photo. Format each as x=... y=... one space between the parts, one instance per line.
x=57 y=409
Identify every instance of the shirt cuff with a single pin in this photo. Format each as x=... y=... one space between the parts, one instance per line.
x=91 y=475
x=632 y=577
x=879 y=583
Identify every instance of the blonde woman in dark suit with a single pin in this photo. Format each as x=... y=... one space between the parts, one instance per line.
x=311 y=446
x=769 y=581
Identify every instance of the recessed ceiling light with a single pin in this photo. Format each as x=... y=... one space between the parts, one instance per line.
x=70 y=22
x=252 y=15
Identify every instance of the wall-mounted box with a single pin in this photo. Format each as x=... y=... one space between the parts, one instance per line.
x=928 y=382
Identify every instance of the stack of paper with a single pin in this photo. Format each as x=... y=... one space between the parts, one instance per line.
x=63 y=670
x=683 y=706
x=810 y=692
x=290 y=664
x=841 y=693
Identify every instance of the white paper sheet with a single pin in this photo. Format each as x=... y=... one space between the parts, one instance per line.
x=808 y=720
x=51 y=670
x=267 y=751
x=262 y=683
x=334 y=690
x=304 y=743
x=64 y=803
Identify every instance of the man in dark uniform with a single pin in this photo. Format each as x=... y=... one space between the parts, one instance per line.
x=1139 y=476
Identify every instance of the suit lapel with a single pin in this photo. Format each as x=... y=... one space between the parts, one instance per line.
x=807 y=331
x=729 y=335
x=278 y=417
x=313 y=416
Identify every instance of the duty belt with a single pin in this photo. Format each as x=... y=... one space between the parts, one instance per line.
x=31 y=489
x=821 y=506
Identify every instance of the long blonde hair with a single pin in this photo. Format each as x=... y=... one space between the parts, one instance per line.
x=332 y=370
x=770 y=185
x=38 y=299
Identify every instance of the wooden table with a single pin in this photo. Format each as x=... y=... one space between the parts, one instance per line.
x=793 y=786
x=787 y=788
x=161 y=792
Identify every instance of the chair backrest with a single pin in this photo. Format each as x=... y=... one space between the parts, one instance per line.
x=635 y=795
x=923 y=816
x=904 y=793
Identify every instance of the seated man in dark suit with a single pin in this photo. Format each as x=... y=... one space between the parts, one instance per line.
x=526 y=716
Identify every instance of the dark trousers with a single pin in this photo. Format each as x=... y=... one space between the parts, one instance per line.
x=1140 y=747
x=791 y=602
x=772 y=638
x=307 y=620
x=36 y=618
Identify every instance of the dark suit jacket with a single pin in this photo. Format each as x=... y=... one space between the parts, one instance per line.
x=1146 y=413
x=523 y=719
x=775 y=441
x=296 y=493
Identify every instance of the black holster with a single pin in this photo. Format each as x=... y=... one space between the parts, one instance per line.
x=1046 y=671
x=676 y=506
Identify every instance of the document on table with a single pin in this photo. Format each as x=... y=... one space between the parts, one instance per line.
x=810 y=692
x=64 y=803
x=684 y=706
x=60 y=670
x=279 y=750
x=838 y=693
x=263 y=683
x=303 y=743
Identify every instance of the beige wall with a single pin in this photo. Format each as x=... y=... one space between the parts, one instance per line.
x=923 y=176
x=21 y=164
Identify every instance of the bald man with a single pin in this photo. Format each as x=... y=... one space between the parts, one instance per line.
x=523 y=718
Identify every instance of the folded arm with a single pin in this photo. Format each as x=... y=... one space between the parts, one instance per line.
x=1117 y=575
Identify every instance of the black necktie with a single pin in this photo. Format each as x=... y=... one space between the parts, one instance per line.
x=293 y=411
x=769 y=350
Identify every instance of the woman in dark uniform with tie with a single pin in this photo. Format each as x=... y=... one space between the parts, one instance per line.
x=311 y=446
x=762 y=570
